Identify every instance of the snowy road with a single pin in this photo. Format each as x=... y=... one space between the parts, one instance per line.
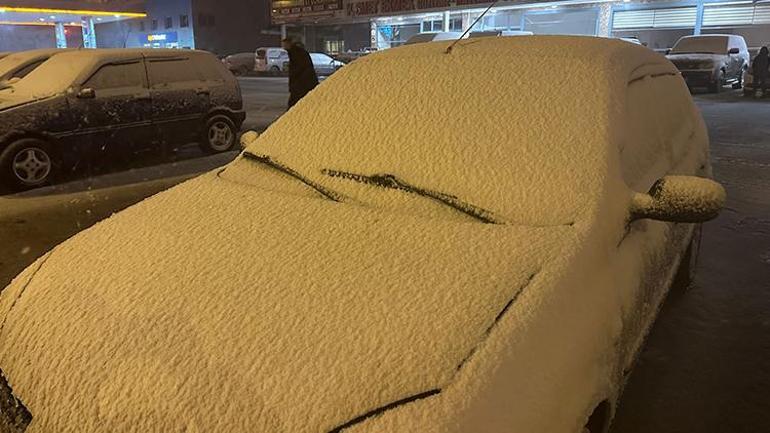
x=706 y=365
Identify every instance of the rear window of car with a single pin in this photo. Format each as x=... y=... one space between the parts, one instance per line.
x=116 y=76
x=209 y=68
x=164 y=71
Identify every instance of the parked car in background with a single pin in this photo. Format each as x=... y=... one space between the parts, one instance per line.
x=83 y=102
x=711 y=61
x=441 y=270
x=487 y=33
x=430 y=37
x=240 y=64
x=270 y=59
x=323 y=64
x=18 y=65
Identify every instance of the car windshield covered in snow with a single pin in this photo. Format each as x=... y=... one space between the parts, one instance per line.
x=701 y=45
x=434 y=122
x=53 y=76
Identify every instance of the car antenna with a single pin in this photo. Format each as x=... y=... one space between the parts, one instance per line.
x=449 y=48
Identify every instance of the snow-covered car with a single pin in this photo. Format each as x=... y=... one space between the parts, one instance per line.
x=442 y=270
x=711 y=60
x=17 y=65
x=240 y=63
x=85 y=102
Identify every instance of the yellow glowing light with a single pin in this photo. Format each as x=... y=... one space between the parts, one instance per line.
x=72 y=11
x=33 y=23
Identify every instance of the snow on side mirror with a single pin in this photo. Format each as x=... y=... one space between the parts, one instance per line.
x=248 y=137
x=684 y=199
x=86 y=93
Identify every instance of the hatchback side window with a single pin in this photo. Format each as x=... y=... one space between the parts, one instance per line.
x=167 y=71
x=114 y=76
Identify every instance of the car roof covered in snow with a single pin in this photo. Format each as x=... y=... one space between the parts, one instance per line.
x=498 y=122
x=74 y=66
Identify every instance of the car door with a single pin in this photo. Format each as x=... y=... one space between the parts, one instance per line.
x=114 y=107
x=180 y=98
x=661 y=139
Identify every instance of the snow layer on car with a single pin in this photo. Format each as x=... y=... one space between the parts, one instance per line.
x=496 y=122
x=217 y=306
x=267 y=323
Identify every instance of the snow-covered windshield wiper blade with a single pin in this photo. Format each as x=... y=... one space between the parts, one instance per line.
x=392 y=182
x=264 y=159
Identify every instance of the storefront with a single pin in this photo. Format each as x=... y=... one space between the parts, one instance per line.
x=47 y=24
x=658 y=24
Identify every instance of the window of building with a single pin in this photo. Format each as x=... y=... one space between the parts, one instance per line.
x=183 y=21
x=169 y=22
x=141 y=26
x=154 y=25
x=171 y=71
x=117 y=76
x=432 y=26
x=455 y=24
x=202 y=19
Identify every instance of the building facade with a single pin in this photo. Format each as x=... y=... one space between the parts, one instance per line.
x=220 y=26
x=337 y=25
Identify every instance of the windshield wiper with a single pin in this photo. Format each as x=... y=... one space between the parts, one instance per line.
x=264 y=159
x=392 y=182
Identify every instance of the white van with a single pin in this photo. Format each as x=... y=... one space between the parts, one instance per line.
x=269 y=59
x=487 y=33
x=430 y=37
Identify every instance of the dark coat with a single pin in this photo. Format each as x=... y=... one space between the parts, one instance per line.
x=761 y=64
x=302 y=77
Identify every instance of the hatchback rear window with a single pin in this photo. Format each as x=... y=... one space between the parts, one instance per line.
x=164 y=71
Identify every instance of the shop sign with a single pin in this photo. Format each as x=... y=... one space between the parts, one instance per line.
x=377 y=7
x=158 y=38
x=290 y=10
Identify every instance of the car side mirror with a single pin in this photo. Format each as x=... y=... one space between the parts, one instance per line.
x=86 y=93
x=734 y=51
x=683 y=199
x=248 y=137
x=668 y=51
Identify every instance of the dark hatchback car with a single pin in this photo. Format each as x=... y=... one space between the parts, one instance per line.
x=84 y=103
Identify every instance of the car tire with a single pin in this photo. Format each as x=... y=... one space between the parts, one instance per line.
x=716 y=86
x=219 y=135
x=686 y=272
x=27 y=163
x=275 y=70
x=243 y=71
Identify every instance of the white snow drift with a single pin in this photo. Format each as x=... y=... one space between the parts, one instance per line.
x=289 y=292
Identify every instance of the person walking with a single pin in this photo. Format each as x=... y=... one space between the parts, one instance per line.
x=760 y=66
x=302 y=76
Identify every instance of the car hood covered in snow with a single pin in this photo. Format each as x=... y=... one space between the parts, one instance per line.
x=219 y=304
x=691 y=60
